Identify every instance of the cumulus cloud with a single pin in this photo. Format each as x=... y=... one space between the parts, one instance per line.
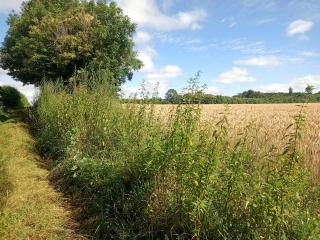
x=261 y=61
x=146 y=54
x=214 y=90
x=308 y=54
x=298 y=85
x=128 y=91
x=234 y=75
x=142 y=37
x=145 y=51
x=274 y=87
x=148 y=14
x=162 y=77
x=299 y=27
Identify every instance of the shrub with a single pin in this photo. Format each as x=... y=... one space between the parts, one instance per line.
x=11 y=98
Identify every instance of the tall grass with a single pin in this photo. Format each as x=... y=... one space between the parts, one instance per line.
x=135 y=174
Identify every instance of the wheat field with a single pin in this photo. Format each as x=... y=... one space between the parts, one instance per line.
x=270 y=122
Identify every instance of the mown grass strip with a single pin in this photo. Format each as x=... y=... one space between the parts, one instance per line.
x=30 y=208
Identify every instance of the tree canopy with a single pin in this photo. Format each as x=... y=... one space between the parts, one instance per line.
x=172 y=96
x=310 y=88
x=52 y=39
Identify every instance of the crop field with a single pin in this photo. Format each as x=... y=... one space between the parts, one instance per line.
x=272 y=120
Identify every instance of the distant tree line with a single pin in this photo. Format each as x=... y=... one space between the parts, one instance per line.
x=246 y=97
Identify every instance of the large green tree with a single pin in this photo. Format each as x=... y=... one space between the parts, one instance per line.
x=55 y=38
x=310 y=88
x=172 y=96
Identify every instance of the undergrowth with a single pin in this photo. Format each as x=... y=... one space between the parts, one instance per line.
x=134 y=174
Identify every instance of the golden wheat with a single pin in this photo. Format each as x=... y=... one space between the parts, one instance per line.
x=270 y=122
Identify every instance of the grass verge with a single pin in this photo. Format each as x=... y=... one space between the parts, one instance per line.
x=29 y=207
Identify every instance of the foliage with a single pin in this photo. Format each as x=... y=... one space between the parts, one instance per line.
x=172 y=96
x=54 y=39
x=141 y=175
x=246 y=97
x=290 y=90
x=11 y=98
x=309 y=89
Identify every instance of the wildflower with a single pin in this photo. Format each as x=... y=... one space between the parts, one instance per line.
x=196 y=183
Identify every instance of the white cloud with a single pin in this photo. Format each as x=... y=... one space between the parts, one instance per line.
x=167 y=4
x=7 y=6
x=234 y=75
x=301 y=83
x=3 y=72
x=146 y=54
x=129 y=91
x=261 y=61
x=299 y=27
x=274 y=87
x=308 y=54
x=147 y=14
x=223 y=20
x=163 y=77
x=214 y=90
x=298 y=85
x=142 y=37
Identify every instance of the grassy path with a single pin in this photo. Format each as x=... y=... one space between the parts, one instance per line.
x=29 y=207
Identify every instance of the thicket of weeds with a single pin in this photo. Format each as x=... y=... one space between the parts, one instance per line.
x=135 y=174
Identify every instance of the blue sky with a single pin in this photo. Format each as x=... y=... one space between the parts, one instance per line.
x=264 y=45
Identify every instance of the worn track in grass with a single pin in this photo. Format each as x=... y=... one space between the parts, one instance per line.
x=29 y=206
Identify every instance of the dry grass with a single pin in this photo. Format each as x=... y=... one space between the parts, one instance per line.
x=31 y=209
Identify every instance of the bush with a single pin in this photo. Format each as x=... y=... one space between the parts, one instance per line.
x=11 y=98
x=139 y=175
